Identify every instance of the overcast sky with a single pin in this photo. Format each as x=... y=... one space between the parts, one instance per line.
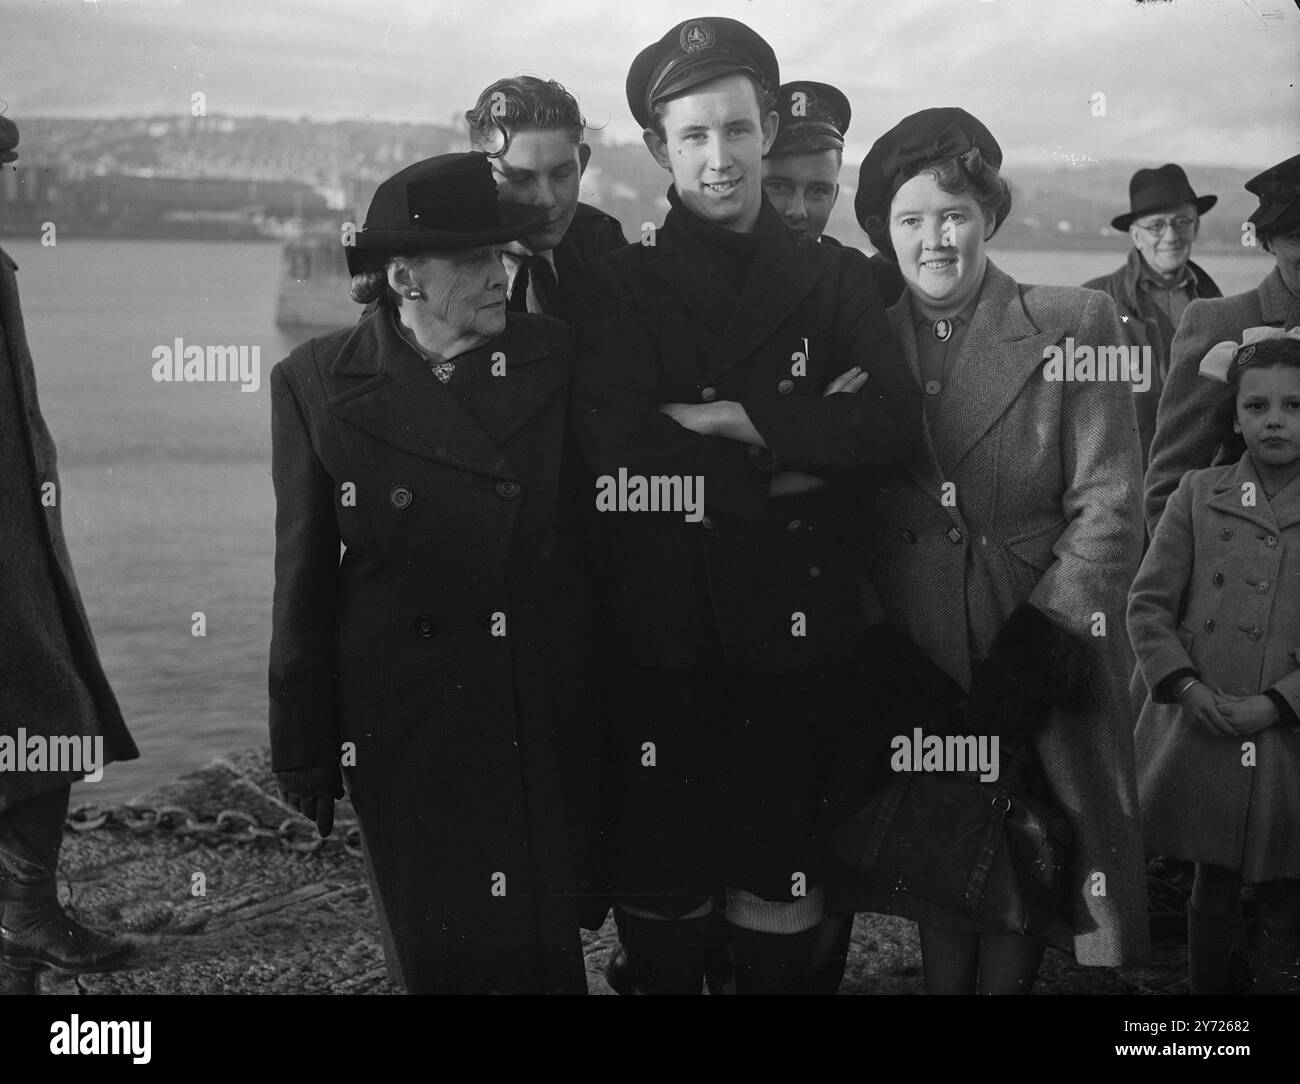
x=1196 y=81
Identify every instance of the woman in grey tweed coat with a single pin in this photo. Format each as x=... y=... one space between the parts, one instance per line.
x=1018 y=531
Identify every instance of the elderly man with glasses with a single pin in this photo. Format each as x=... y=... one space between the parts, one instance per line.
x=1158 y=280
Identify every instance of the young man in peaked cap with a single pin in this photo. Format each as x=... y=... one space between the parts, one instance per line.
x=728 y=352
x=801 y=172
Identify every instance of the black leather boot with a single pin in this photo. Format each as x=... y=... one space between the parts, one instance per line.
x=36 y=932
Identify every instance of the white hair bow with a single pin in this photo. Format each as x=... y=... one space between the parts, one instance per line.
x=1219 y=359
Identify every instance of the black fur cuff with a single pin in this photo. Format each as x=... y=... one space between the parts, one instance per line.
x=1034 y=665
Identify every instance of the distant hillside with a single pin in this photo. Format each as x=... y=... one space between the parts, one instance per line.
x=173 y=176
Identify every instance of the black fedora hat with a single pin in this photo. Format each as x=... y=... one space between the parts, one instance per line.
x=1278 y=191
x=8 y=140
x=440 y=204
x=1155 y=189
x=814 y=117
x=694 y=52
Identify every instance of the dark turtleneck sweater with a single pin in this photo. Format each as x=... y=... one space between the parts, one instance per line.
x=732 y=252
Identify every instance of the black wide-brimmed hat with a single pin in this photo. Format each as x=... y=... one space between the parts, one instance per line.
x=930 y=136
x=1157 y=189
x=443 y=203
x=814 y=117
x=1278 y=190
x=694 y=52
x=8 y=140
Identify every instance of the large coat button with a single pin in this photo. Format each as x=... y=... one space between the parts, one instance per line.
x=426 y=626
x=1226 y=533
x=1262 y=587
x=709 y=394
x=507 y=490
x=1270 y=541
x=1255 y=634
x=954 y=536
x=400 y=496
x=785 y=387
x=1218 y=579
x=709 y=523
x=1209 y=624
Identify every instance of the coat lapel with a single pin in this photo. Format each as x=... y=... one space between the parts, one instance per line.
x=1002 y=350
x=927 y=472
x=388 y=391
x=781 y=277
x=1279 y=307
x=1277 y=514
x=779 y=280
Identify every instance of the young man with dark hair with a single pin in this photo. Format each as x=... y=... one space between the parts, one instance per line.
x=532 y=129
x=726 y=352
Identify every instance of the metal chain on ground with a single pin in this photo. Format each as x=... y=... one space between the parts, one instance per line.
x=229 y=826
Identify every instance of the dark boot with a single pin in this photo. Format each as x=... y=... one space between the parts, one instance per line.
x=831 y=954
x=773 y=963
x=1209 y=944
x=37 y=932
x=666 y=956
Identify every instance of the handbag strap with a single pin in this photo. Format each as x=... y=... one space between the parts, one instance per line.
x=983 y=864
x=892 y=799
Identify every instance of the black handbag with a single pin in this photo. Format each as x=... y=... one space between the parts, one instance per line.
x=932 y=845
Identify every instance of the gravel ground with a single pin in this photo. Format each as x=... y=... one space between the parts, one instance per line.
x=275 y=920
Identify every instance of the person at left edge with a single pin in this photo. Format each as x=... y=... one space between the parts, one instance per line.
x=706 y=352
x=532 y=132
x=52 y=685
x=801 y=171
x=429 y=441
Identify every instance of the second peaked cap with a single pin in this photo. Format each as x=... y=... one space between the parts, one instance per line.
x=814 y=117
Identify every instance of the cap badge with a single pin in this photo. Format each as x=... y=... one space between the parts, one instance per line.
x=696 y=37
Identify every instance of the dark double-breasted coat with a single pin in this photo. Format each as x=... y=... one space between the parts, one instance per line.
x=51 y=680
x=1187 y=436
x=1219 y=593
x=1146 y=331
x=1029 y=491
x=662 y=323
x=432 y=645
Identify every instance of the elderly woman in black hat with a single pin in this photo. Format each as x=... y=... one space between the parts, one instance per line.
x=427 y=442
x=1187 y=433
x=1006 y=552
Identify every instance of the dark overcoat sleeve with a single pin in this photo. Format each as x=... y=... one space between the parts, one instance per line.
x=876 y=427
x=304 y=712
